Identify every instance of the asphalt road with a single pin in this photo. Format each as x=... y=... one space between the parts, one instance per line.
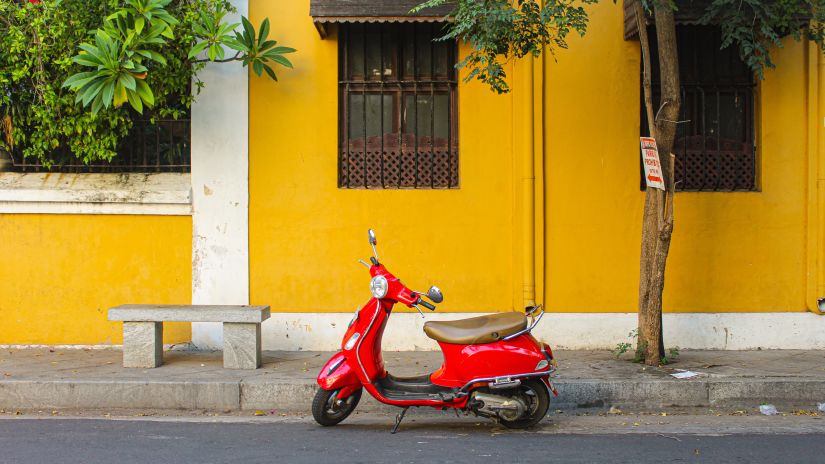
x=91 y=441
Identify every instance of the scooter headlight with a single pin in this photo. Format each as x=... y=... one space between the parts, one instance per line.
x=379 y=286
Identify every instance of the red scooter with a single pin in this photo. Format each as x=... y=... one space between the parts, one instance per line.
x=493 y=366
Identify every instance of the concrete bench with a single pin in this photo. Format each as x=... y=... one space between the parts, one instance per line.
x=143 y=331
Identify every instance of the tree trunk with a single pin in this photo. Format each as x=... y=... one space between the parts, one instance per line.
x=657 y=225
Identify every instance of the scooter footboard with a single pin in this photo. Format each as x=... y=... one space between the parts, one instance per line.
x=337 y=374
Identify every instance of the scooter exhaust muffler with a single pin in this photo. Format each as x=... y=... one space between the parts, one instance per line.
x=506 y=407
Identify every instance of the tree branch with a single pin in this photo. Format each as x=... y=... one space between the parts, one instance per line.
x=225 y=60
x=645 y=45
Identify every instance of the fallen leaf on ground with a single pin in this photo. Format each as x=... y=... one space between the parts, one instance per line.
x=259 y=413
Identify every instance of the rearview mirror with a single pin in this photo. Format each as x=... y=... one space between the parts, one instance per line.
x=373 y=241
x=434 y=293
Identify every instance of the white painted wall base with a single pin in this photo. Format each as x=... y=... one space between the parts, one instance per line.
x=88 y=193
x=731 y=331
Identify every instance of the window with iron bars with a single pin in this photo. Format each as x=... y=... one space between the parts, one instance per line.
x=397 y=107
x=714 y=144
x=159 y=146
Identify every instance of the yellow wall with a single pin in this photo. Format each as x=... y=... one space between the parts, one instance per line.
x=730 y=252
x=60 y=273
x=306 y=234
x=742 y=251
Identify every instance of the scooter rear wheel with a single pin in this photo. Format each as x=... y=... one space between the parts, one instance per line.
x=328 y=410
x=534 y=395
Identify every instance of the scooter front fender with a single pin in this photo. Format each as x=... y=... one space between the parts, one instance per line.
x=337 y=374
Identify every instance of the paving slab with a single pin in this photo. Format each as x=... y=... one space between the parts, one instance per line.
x=94 y=378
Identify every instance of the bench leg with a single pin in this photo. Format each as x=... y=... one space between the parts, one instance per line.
x=241 y=345
x=142 y=344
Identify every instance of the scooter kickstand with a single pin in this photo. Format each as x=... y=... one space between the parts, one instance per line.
x=398 y=419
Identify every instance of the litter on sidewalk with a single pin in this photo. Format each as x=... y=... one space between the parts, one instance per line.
x=768 y=409
x=682 y=374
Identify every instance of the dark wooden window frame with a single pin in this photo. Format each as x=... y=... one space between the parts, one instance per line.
x=401 y=158
x=706 y=160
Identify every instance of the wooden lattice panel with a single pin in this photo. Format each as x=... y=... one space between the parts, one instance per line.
x=708 y=164
x=384 y=164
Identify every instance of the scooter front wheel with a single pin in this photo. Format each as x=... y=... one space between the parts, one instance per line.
x=328 y=410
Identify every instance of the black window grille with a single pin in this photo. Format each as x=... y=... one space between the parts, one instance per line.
x=397 y=107
x=714 y=148
x=159 y=146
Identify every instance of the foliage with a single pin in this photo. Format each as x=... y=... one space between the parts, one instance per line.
x=624 y=347
x=135 y=51
x=633 y=336
x=129 y=35
x=672 y=355
x=755 y=26
x=500 y=30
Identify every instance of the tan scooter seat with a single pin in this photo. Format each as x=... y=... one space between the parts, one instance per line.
x=474 y=330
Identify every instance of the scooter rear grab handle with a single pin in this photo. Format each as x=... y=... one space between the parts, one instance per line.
x=532 y=326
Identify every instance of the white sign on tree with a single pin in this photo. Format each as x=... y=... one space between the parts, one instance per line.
x=650 y=160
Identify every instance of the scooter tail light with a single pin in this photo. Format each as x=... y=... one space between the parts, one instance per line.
x=548 y=350
x=542 y=364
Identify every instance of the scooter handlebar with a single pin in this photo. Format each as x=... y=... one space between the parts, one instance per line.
x=425 y=304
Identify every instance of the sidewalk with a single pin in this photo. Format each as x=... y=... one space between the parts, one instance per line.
x=94 y=379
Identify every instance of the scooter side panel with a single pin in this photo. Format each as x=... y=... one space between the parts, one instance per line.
x=463 y=363
x=338 y=374
x=365 y=356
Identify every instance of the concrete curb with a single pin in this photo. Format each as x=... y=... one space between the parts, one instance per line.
x=296 y=396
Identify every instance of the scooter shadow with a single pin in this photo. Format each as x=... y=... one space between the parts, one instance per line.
x=429 y=423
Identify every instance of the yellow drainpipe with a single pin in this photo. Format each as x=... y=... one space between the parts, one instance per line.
x=528 y=170
x=528 y=181
x=816 y=179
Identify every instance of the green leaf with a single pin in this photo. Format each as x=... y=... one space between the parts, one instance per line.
x=271 y=73
x=135 y=101
x=127 y=81
x=145 y=92
x=281 y=60
x=248 y=32
x=197 y=49
x=263 y=32
x=108 y=93
x=97 y=105
x=80 y=79
x=140 y=21
x=153 y=55
x=258 y=67
x=282 y=50
x=234 y=44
